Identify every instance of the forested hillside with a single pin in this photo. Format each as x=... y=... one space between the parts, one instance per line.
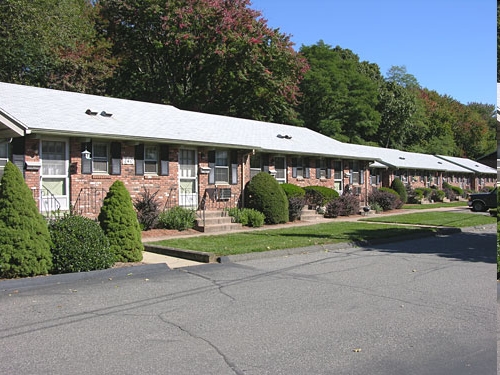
x=219 y=56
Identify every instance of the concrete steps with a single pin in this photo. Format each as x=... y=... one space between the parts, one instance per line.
x=309 y=215
x=215 y=222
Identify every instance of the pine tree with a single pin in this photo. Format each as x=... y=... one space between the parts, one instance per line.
x=24 y=235
x=119 y=221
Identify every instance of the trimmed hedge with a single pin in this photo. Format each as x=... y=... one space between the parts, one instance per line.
x=79 y=244
x=263 y=193
x=24 y=235
x=293 y=191
x=319 y=196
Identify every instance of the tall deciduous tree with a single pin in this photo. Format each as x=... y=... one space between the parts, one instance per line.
x=53 y=43
x=397 y=106
x=213 y=56
x=340 y=94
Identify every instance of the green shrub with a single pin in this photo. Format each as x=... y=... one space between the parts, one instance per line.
x=247 y=217
x=293 y=191
x=398 y=186
x=264 y=194
x=426 y=192
x=437 y=195
x=319 y=196
x=385 y=198
x=345 y=205
x=253 y=218
x=119 y=222
x=295 y=207
x=24 y=235
x=79 y=244
x=148 y=209
x=415 y=196
x=179 y=218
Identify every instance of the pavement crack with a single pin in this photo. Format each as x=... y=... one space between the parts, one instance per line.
x=224 y=357
x=218 y=285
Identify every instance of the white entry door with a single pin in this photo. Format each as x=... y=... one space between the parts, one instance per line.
x=188 y=179
x=54 y=194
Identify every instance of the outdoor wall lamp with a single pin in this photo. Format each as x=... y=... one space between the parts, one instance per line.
x=86 y=154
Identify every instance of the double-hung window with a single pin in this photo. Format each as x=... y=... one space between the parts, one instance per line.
x=355 y=179
x=221 y=167
x=100 y=157
x=300 y=168
x=322 y=169
x=150 y=159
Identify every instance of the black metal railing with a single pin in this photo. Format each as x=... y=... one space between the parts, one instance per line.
x=89 y=201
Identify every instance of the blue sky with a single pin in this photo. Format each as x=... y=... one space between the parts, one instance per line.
x=448 y=45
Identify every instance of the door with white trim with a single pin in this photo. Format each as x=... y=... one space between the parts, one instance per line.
x=54 y=189
x=188 y=179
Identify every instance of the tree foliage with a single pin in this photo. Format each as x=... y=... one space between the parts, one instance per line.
x=339 y=94
x=119 y=222
x=212 y=56
x=53 y=43
x=24 y=236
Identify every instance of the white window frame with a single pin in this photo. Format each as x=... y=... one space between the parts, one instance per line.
x=100 y=158
x=221 y=167
x=150 y=160
x=281 y=173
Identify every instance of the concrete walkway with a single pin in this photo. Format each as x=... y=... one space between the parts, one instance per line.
x=174 y=262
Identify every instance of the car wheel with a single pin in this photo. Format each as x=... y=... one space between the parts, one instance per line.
x=478 y=206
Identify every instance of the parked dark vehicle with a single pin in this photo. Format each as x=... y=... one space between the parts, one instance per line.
x=481 y=202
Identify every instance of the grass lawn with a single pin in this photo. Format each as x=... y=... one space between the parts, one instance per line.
x=293 y=237
x=448 y=219
x=433 y=205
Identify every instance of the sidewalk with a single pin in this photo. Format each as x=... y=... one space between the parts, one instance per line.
x=174 y=262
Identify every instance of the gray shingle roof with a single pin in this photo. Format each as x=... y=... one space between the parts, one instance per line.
x=469 y=164
x=412 y=160
x=61 y=112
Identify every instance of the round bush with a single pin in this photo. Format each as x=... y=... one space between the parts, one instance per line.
x=386 y=198
x=293 y=191
x=79 y=244
x=345 y=205
x=295 y=206
x=398 y=186
x=263 y=193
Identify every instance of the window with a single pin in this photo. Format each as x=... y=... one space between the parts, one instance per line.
x=300 y=168
x=337 y=175
x=150 y=159
x=54 y=158
x=355 y=179
x=255 y=165
x=322 y=170
x=100 y=158
x=221 y=167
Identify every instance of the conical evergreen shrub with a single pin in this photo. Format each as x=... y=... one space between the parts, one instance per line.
x=24 y=235
x=119 y=221
x=398 y=186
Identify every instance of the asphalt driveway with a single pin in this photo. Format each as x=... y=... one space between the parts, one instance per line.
x=416 y=307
